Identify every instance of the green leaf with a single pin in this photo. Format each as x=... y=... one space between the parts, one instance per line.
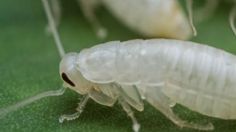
x=29 y=65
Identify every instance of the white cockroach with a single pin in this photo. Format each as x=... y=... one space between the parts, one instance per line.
x=151 y=18
x=160 y=71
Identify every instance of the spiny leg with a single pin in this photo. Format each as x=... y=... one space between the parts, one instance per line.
x=232 y=19
x=130 y=113
x=88 y=7
x=79 y=110
x=189 y=4
x=160 y=101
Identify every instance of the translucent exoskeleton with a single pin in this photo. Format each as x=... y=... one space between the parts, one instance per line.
x=160 y=71
x=151 y=18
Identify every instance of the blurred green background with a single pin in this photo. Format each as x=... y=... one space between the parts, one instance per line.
x=29 y=65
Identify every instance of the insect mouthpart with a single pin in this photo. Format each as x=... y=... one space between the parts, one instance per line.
x=66 y=79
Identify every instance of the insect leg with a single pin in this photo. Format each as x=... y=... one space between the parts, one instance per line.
x=101 y=98
x=88 y=9
x=232 y=18
x=79 y=110
x=189 y=4
x=130 y=113
x=131 y=95
x=161 y=102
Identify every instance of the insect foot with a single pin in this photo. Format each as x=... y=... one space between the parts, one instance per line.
x=79 y=109
x=130 y=113
x=101 y=33
x=207 y=127
x=136 y=127
x=69 y=117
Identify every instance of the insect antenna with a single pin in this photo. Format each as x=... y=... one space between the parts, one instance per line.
x=27 y=101
x=11 y=108
x=53 y=28
x=232 y=19
x=189 y=4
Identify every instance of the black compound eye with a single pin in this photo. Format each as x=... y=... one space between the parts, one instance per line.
x=66 y=79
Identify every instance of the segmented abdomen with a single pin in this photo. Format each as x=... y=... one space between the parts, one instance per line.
x=203 y=79
x=197 y=76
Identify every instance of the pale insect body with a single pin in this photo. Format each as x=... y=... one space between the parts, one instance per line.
x=199 y=77
x=162 y=72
